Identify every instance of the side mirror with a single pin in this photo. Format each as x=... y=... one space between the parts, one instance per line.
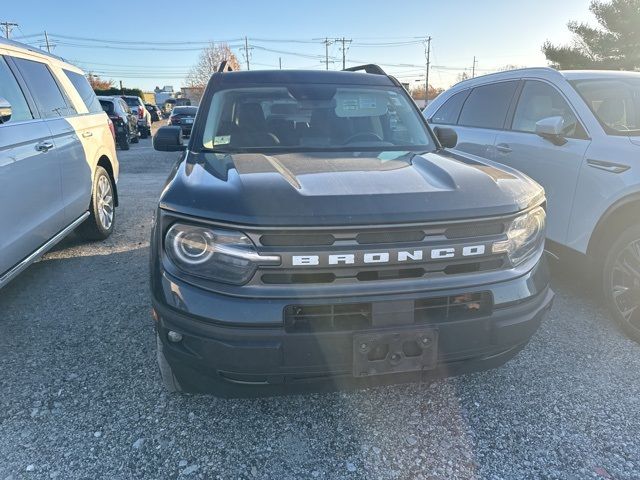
x=5 y=110
x=447 y=137
x=551 y=129
x=169 y=139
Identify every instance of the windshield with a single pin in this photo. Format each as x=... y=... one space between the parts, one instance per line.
x=314 y=117
x=185 y=110
x=614 y=101
x=132 y=102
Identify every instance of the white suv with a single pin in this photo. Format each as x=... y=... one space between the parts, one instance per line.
x=578 y=134
x=58 y=164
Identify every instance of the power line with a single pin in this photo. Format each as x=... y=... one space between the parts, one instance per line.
x=8 y=26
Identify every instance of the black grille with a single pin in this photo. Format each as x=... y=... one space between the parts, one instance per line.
x=358 y=316
x=472 y=231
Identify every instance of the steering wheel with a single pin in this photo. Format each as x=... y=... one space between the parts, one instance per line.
x=363 y=137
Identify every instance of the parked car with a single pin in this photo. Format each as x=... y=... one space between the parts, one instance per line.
x=168 y=106
x=183 y=117
x=154 y=111
x=58 y=164
x=578 y=134
x=303 y=242
x=144 y=117
x=124 y=121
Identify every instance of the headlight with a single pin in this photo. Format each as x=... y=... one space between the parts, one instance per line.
x=220 y=255
x=525 y=237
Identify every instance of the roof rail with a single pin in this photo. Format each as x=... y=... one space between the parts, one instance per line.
x=368 y=68
x=224 y=67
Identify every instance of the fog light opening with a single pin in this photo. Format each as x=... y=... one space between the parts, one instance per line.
x=174 y=337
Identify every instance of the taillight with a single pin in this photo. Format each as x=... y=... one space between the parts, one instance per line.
x=113 y=130
x=140 y=113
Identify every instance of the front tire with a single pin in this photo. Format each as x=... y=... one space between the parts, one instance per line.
x=621 y=281
x=166 y=372
x=102 y=212
x=144 y=132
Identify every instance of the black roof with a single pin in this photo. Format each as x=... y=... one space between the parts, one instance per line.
x=302 y=76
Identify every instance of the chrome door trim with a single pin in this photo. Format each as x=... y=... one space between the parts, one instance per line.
x=7 y=277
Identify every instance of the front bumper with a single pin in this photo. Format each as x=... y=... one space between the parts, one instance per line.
x=235 y=346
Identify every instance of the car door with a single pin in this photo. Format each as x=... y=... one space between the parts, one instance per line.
x=31 y=207
x=90 y=125
x=54 y=107
x=555 y=167
x=477 y=115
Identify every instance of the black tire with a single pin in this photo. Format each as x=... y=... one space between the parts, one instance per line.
x=621 y=281
x=144 y=133
x=166 y=373
x=97 y=227
x=124 y=142
x=135 y=138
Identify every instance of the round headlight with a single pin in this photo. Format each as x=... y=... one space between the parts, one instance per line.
x=193 y=247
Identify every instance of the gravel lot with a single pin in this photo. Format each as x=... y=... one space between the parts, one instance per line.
x=80 y=396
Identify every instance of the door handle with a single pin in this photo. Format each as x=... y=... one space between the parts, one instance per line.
x=44 y=146
x=503 y=148
x=87 y=134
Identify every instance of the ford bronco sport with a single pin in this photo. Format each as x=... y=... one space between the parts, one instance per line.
x=316 y=232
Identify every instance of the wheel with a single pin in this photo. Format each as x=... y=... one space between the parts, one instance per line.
x=621 y=283
x=166 y=373
x=125 y=141
x=102 y=213
x=144 y=133
x=135 y=138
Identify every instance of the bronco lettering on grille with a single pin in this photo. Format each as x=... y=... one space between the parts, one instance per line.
x=398 y=256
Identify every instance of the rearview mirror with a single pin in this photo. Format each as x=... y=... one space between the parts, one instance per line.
x=5 y=110
x=447 y=137
x=169 y=139
x=551 y=128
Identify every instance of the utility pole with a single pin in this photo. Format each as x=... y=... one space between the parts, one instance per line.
x=46 y=37
x=246 y=51
x=280 y=62
x=8 y=26
x=344 y=50
x=327 y=42
x=426 y=77
x=121 y=89
x=473 y=69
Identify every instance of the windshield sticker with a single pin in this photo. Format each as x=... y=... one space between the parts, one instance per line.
x=222 y=140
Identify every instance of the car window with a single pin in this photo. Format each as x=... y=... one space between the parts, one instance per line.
x=132 y=101
x=185 y=110
x=614 y=101
x=487 y=106
x=44 y=89
x=449 y=111
x=12 y=93
x=124 y=106
x=107 y=106
x=87 y=94
x=539 y=100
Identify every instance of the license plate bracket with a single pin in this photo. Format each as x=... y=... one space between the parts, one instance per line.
x=394 y=351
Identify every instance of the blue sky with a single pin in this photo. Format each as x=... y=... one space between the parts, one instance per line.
x=496 y=32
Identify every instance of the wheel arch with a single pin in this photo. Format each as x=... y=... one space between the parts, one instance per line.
x=105 y=163
x=620 y=215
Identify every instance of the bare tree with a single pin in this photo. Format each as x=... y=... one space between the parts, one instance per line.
x=208 y=63
x=98 y=83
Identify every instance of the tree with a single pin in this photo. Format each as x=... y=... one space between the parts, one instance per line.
x=614 y=44
x=97 y=83
x=463 y=76
x=208 y=63
x=417 y=93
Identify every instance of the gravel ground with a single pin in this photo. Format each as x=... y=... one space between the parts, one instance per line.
x=80 y=396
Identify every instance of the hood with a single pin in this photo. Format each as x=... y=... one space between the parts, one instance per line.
x=312 y=189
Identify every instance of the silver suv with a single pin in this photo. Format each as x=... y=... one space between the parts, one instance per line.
x=578 y=134
x=58 y=164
